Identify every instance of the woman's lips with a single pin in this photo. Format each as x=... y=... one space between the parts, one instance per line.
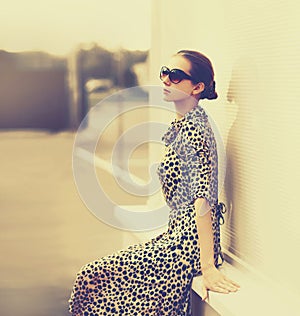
x=166 y=91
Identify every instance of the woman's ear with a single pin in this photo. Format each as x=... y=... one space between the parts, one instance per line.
x=199 y=87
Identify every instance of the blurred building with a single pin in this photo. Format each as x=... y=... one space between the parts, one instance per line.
x=41 y=91
x=33 y=91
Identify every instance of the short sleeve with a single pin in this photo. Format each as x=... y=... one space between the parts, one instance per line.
x=199 y=175
x=190 y=140
x=192 y=146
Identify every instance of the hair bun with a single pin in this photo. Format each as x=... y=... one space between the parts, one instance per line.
x=201 y=71
x=210 y=92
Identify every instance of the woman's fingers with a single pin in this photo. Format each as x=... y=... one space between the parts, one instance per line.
x=229 y=285
x=220 y=289
x=223 y=286
x=216 y=281
x=231 y=282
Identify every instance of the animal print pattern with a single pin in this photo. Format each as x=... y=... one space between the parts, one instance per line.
x=155 y=277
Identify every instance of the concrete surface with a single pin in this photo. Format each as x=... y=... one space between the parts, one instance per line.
x=47 y=233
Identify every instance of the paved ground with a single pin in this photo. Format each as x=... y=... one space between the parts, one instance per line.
x=47 y=233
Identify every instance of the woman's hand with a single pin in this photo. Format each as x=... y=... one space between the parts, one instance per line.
x=216 y=281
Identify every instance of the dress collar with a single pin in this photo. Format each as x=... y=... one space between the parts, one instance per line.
x=176 y=124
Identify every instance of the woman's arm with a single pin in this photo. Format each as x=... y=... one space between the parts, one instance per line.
x=213 y=279
x=205 y=233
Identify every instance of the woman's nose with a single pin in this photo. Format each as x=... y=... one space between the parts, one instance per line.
x=166 y=81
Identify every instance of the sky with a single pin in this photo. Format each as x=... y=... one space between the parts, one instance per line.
x=58 y=26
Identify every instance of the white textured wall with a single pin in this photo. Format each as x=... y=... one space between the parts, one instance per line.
x=254 y=46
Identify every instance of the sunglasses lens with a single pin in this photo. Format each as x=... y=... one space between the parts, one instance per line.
x=164 y=72
x=175 y=76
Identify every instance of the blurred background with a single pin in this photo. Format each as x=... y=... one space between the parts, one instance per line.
x=59 y=59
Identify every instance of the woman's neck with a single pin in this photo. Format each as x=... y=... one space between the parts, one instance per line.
x=184 y=106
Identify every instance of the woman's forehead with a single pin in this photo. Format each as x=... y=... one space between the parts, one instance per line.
x=179 y=62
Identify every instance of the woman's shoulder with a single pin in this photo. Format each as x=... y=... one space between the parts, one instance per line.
x=193 y=130
x=196 y=130
x=196 y=119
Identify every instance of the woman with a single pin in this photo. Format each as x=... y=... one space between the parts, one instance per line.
x=155 y=278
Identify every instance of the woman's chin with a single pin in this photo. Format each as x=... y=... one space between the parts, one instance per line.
x=167 y=98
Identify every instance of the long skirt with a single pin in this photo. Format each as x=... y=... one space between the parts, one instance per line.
x=150 y=278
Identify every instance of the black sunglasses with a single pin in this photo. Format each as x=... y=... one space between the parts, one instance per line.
x=175 y=75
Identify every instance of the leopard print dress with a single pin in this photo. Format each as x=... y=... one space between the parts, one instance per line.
x=155 y=277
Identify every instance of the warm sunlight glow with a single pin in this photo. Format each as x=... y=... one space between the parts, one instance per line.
x=58 y=26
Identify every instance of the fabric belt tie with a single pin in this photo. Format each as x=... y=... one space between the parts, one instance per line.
x=220 y=210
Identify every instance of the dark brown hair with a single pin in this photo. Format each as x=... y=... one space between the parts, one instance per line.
x=201 y=71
